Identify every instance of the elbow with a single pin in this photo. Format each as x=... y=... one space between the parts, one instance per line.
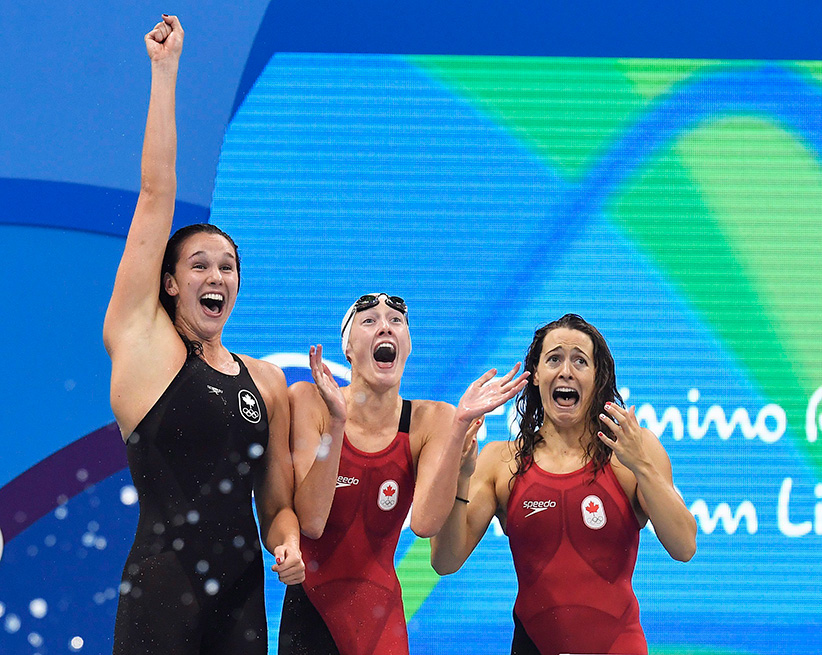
x=686 y=553
x=424 y=528
x=444 y=568
x=442 y=562
x=312 y=529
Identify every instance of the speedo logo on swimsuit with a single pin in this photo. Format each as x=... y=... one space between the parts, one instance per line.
x=343 y=481
x=537 y=506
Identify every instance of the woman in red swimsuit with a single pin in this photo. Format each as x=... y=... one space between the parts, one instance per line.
x=361 y=453
x=572 y=493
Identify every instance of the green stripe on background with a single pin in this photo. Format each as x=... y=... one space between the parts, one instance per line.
x=723 y=210
x=566 y=110
x=416 y=576
x=653 y=77
x=766 y=189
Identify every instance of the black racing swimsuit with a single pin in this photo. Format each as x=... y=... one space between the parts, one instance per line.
x=193 y=581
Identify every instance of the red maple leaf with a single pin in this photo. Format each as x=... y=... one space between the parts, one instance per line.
x=389 y=491
x=591 y=507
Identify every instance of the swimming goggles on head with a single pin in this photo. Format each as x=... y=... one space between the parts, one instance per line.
x=370 y=300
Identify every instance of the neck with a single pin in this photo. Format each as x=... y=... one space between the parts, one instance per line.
x=368 y=406
x=564 y=440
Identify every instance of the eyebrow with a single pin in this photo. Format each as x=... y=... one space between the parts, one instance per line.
x=203 y=252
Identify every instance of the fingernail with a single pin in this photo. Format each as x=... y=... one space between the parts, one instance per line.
x=279 y=561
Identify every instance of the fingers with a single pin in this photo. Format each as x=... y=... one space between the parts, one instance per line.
x=485 y=377
x=173 y=22
x=510 y=375
x=289 y=567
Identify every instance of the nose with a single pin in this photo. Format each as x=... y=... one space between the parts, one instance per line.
x=566 y=371
x=215 y=275
x=385 y=326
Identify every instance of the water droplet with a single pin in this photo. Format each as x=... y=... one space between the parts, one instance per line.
x=82 y=475
x=110 y=593
x=226 y=486
x=211 y=586
x=20 y=517
x=187 y=598
x=62 y=499
x=35 y=639
x=87 y=540
x=193 y=516
x=243 y=468
x=125 y=587
x=50 y=540
x=61 y=512
x=100 y=543
x=38 y=608
x=93 y=526
x=99 y=598
x=136 y=592
x=313 y=566
x=178 y=544
x=134 y=438
x=69 y=384
x=360 y=397
x=32 y=551
x=205 y=489
x=76 y=643
x=255 y=450
x=2 y=610
x=250 y=635
x=202 y=567
x=239 y=541
x=12 y=623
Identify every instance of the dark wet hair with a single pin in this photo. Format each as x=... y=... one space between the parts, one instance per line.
x=170 y=259
x=529 y=403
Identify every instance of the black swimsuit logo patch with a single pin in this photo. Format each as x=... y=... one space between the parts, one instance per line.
x=249 y=406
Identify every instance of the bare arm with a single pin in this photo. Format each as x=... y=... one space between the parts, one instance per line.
x=134 y=308
x=274 y=483
x=468 y=522
x=318 y=414
x=439 y=460
x=639 y=450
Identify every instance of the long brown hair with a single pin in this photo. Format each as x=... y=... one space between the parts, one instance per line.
x=529 y=404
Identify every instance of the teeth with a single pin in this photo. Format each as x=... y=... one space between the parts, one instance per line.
x=213 y=296
x=565 y=390
x=386 y=344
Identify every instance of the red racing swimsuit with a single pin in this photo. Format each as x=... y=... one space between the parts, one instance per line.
x=349 y=576
x=574 y=544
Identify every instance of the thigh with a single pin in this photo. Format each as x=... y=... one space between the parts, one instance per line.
x=302 y=629
x=236 y=624
x=158 y=611
x=522 y=644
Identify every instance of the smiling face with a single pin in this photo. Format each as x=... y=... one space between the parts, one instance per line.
x=565 y=376
x=204 y=284
x=379 y=344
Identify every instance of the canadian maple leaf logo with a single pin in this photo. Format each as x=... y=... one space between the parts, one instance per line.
x=591 y=507
x=389 y=491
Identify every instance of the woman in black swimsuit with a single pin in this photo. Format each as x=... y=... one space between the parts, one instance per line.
x=203 y=427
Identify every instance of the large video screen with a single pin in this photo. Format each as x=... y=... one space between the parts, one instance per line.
x=675 y=204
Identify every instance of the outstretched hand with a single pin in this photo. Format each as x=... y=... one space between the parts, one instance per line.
x=326 y=384
x=165 y=40
x=487 y=393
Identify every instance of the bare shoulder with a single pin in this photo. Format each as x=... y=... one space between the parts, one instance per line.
x=498 y=456
x=268 y=377
x=431 y=415
x=304 y=394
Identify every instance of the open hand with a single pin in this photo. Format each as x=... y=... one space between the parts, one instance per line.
x=330 y=391
x=486 y=393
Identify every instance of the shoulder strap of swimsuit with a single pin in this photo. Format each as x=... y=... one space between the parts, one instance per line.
x=405 y=417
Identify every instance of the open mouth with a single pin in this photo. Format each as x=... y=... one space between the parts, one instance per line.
x=213 y=303
x=566 y=396
x=385 y=353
